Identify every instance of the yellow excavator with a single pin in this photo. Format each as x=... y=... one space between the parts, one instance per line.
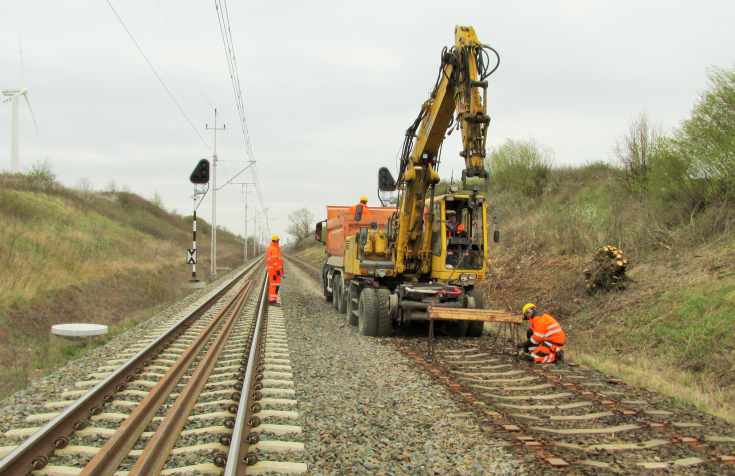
x=414 y=261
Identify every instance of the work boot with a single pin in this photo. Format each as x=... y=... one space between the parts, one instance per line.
x=528 y=358
x=275 y=304
x=559 y=356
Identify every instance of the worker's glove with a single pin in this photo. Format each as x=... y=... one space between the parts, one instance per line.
x=278 y=273
x=525 y=345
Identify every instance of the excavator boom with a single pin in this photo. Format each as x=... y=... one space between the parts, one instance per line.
x=458 y=99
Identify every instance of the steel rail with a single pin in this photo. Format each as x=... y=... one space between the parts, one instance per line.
x=239 y=457
x=33 y=452
x=154 y=456
x=106 y=461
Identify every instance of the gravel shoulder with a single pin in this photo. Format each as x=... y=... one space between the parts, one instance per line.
x=365 y=410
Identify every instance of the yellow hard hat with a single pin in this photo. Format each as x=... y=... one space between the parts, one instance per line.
x=363 y=199
x=527 y=307
x=275 y=238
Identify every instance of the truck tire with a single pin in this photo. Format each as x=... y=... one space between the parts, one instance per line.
x=368 y=313
x=476 y=327
x=456 y=328
x=385 y=322
x=327 y=294
x=351 y=304
x=336 y=291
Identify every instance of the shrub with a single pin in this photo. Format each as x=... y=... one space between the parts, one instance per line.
x=520 y=165
x=42 y=171
x=705 y=143
x=636 y=150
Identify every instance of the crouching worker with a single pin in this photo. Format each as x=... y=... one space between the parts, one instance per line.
x=274 y=263
x=545 y=342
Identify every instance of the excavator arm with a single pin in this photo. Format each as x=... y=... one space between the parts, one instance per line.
x=462 y=75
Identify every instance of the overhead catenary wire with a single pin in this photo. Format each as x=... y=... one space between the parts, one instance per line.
x=196 y=80
x=226 y=33
x=156 y=57
x=158 y=76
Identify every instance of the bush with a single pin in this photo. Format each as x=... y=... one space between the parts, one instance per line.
x=636 y=150
x=706 y=141
x=520 y=165
x=696 y=167
x=42 y=171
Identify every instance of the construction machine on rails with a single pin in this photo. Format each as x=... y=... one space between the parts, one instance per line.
x=399 y=264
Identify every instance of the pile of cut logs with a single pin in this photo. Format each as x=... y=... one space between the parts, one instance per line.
x=606 y=270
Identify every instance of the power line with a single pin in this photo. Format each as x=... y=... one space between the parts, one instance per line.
x=153 y=53
x=157 y=75
x=197 y=86
x=223 y=18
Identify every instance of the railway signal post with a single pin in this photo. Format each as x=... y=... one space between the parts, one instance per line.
x=199 y=177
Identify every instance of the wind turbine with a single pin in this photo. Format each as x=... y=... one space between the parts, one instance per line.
x=14 y=94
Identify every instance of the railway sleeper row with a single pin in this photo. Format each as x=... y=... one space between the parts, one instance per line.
x=567 y=415
x=210 y=416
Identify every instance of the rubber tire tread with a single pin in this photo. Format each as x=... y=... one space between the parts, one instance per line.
x=342 y=304
x=385 y=322
x=368 y=313
x=457 y=328
x=336 y=291
x=352 y=318
x=327 y=294
x=476 y=327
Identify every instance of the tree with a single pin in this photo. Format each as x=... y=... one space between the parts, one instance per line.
x=520 y=165
x=84 y=184
x=636 y=150
x=706 y=141
x=299 y=224
x=157 y=200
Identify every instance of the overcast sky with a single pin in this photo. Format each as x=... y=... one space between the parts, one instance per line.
x=330 y=87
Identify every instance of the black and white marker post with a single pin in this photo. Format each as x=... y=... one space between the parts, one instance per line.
x=199 y=177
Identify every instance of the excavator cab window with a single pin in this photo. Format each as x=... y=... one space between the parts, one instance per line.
x=467 y=242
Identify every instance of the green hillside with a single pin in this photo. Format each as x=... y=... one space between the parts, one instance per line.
x=80 y=256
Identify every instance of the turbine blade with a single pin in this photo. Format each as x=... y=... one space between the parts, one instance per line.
x=29 y=108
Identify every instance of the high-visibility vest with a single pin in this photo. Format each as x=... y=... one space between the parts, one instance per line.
x=546 y=328
x=273 y=258
x=455 y=231
x=365 y=209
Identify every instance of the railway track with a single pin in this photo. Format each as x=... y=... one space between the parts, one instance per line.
x=574 y=419
x=568 y=418
x=207 y=392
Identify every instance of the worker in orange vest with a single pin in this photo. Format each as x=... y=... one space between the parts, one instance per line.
x=546 y=339
x=365 y=209
x=274 y=263
x=453 y=230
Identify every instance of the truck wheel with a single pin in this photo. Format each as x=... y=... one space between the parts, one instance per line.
x=367 y=313
x=336 y=291
x=327 y=294
x=385 y=322
x=351 y=304
x=476 y=327
x=456 y=328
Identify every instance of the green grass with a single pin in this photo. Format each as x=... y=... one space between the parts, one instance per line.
x=71 y=256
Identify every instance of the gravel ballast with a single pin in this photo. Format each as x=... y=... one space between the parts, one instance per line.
x=365 y=410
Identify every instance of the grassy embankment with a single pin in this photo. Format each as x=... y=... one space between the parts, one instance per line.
x=669 y=329
x=68 y=256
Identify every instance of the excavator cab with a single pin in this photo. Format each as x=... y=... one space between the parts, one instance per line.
x=459 y=248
